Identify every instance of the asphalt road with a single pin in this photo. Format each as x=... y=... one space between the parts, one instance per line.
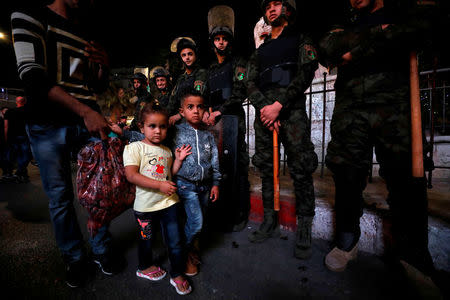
x=232 y=268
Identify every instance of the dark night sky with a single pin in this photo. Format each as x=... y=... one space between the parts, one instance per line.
x=140 y=32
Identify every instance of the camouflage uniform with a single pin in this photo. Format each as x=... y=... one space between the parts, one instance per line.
x=225 y=78
x=298 y=64
x=144 y=97
x=372 y=109
x=163 y=99
x=197 y=79
x=162 y=95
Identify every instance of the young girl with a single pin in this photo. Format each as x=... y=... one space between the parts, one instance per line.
x=147 y=165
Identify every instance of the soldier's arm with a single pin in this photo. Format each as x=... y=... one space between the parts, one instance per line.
x=172 y=106
x=332 y=45
x=255 y=96
x=239 y=92
x=200 y=82
x=201 y=85
x=307 y=65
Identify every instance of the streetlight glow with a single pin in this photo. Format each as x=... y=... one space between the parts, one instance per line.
x=2 y=35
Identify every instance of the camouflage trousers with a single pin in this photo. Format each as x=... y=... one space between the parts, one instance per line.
x=243 y=200
x=355 y=131
x=302 y=160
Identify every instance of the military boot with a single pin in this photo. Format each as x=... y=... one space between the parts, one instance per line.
x=269 y=227
x=302 y=248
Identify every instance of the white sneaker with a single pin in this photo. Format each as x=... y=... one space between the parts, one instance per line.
x=338 y=259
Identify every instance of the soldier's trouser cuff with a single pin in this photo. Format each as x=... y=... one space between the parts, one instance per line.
x=349 y=185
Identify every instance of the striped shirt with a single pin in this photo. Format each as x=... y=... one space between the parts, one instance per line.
x=50 y=51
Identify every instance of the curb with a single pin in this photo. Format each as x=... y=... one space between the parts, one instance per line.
x=375 y=227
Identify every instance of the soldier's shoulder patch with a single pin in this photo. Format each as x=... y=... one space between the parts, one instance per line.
x=198 y=85
x=309 y=52
x=240 y=73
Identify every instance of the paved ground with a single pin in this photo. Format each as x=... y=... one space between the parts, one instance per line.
x=232 y=267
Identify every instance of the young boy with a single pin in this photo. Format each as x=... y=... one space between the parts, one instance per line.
x=198 y=178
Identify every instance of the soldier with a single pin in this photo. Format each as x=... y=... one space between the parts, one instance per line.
x=162 y=80
x=279 y=72
x=140 y=84
x=372 y=109
x=194 y=75
x=227 y=92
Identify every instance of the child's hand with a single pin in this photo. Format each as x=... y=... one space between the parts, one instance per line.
x=182 y=152
x=173 y=119
x=116 y=129
x=214 y=195
x=167 y=187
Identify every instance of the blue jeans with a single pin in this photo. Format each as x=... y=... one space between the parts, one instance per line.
x=19 y=150
x=168 y=219
x=52 y=147
x=195 y=198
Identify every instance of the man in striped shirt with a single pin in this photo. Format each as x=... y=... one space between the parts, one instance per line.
x=61 y=70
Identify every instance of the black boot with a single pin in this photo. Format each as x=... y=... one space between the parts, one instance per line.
x=302 y=248
x=269 y=227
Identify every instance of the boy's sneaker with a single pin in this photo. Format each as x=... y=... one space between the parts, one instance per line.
x=76 y=274
x=106 y=263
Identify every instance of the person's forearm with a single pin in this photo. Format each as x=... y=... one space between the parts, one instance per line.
x=176 y=166
x=142 y=181
x=58 y=95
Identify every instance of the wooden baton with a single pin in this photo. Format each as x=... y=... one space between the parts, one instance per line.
x=276 y=173
x=416 y=118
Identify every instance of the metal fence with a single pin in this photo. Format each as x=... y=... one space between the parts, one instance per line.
x=435 y=112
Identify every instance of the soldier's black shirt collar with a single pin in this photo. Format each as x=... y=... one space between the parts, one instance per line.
x=215 y=63
x=287 y=31
x=195 y=67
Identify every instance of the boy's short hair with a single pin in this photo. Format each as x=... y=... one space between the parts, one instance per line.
x=187 y=92
x=153 y=107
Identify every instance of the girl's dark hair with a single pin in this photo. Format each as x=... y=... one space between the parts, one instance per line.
x=153 y=107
